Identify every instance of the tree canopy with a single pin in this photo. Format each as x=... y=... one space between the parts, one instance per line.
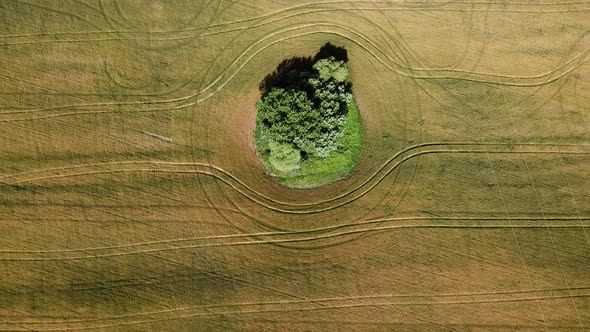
x=303 y=110
x=309 y=119
x=330 y=68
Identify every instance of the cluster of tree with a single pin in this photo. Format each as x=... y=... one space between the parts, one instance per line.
x=303 y=114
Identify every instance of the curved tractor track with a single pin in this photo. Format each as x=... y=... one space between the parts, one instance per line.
x=294 y=207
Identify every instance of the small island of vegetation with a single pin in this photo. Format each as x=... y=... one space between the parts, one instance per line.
x=308 y=129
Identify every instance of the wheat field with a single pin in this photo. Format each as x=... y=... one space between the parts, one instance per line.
x=132 y=199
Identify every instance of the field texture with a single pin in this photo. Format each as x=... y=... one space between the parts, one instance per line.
x=131 y=197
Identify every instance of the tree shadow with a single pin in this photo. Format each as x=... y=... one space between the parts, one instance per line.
x=292 y=73
x=329 y=50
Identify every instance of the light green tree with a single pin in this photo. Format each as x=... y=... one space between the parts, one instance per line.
x=330 y=68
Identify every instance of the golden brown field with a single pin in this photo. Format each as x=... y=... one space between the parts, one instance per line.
x=131 y=197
